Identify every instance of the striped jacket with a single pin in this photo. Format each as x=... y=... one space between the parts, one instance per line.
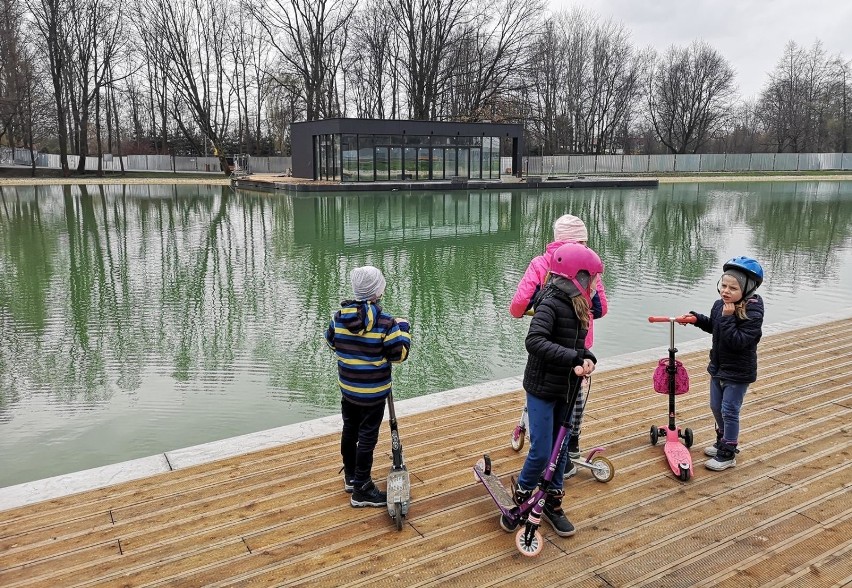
x=367 y=341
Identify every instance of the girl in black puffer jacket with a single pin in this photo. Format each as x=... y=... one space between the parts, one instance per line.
x=557 y=363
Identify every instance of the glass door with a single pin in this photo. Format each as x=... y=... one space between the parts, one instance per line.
x=463 y=164
x=382 y=167
x=438 y=163
x=475 y=163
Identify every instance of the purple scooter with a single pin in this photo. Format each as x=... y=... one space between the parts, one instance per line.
x=528 y=539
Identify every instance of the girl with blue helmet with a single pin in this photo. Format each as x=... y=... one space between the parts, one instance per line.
x=736 y=323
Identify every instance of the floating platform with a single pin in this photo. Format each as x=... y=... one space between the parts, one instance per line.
x=273 y=183
x=279 y=516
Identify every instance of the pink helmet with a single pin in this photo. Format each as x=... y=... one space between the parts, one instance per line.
x=569 y=259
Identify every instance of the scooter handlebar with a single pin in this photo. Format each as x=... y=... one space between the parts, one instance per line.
x=683 y=319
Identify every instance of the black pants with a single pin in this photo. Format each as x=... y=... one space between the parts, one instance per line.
x=358 y=440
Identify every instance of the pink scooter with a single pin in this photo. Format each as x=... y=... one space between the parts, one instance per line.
x=676 y=382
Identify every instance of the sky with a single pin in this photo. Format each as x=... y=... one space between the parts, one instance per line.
x=750 y=34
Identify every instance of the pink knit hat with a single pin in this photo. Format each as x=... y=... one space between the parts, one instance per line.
x=570 y=228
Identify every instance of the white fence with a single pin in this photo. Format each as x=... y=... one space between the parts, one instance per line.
x=704 y=162
x=162 y=163
x=547 y=165
x=17 y=156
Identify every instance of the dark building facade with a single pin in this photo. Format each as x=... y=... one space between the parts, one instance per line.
x=372 y=150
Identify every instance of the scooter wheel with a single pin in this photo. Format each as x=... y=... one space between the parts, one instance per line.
x=655 y=434
x=535 y=546
x=602 y=469
x=684 y=474
x=687 y=437
x=518 y=436
x=397 y=515
x=480 y=464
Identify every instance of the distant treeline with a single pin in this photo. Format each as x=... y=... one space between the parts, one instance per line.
x=205 y=77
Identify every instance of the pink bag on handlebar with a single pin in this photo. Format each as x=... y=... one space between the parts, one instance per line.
x=661 y=378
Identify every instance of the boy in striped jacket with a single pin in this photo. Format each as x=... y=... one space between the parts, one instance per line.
x=367 y=342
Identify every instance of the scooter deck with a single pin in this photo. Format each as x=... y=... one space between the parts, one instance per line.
x=399 y=486
x=495 y=487
x=676 y=454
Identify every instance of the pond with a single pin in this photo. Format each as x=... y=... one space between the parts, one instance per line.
x=139 y=319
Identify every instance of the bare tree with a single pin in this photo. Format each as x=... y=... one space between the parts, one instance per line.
x=369 y=71
x=283 y=106
x=49 y=17
x=588 y=80
x=744 y=135
x=193 y=35
x=21 y=97
x=841 y=91
x=309 y=37
x=250 y=77
x=795 y=99
x=547 y=119
x=487 y=53
x=10 y=62
x=427 y=28
x=690 y=93
x=612 y=85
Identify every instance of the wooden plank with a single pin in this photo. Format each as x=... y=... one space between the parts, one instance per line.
x=279 y=516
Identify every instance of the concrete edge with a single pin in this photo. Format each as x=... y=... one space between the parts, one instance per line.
x=75 y=482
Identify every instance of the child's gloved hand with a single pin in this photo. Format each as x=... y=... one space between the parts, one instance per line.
x=403 y=324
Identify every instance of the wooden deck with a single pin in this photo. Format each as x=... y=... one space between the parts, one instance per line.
x=279 y=517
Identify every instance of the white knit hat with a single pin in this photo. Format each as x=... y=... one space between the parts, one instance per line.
x=368 y=283
x=570 y=228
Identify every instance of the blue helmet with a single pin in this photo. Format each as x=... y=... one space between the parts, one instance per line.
x=751 y=268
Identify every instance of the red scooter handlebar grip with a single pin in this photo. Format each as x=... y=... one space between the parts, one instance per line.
x=683 y=319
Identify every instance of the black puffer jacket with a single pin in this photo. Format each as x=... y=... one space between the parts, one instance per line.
x=734 y=353
x=555 y=343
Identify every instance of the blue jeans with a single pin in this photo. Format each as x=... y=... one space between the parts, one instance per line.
x=545 y=419
x=726 y=399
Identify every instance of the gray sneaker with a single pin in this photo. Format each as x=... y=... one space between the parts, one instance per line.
x=570 y=470
x=711 y=451
x=725 y=458
x=574 y=447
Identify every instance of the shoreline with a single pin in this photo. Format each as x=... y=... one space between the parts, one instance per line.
x=222 y=181
x=72 y=483
x=773 y=178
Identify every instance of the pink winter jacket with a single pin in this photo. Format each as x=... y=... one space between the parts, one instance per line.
x=534 y=276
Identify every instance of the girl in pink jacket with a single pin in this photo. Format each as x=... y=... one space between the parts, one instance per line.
x=567 y=228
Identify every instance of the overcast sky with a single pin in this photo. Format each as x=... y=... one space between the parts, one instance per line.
x=750 y=34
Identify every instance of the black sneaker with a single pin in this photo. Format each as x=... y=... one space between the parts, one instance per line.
x=574 y=447
x=348 y=484
x=368 y=495
x=555 y=516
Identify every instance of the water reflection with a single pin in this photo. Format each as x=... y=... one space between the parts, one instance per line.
x=191 y=313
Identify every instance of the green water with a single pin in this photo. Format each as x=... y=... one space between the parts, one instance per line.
x=139 y=319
